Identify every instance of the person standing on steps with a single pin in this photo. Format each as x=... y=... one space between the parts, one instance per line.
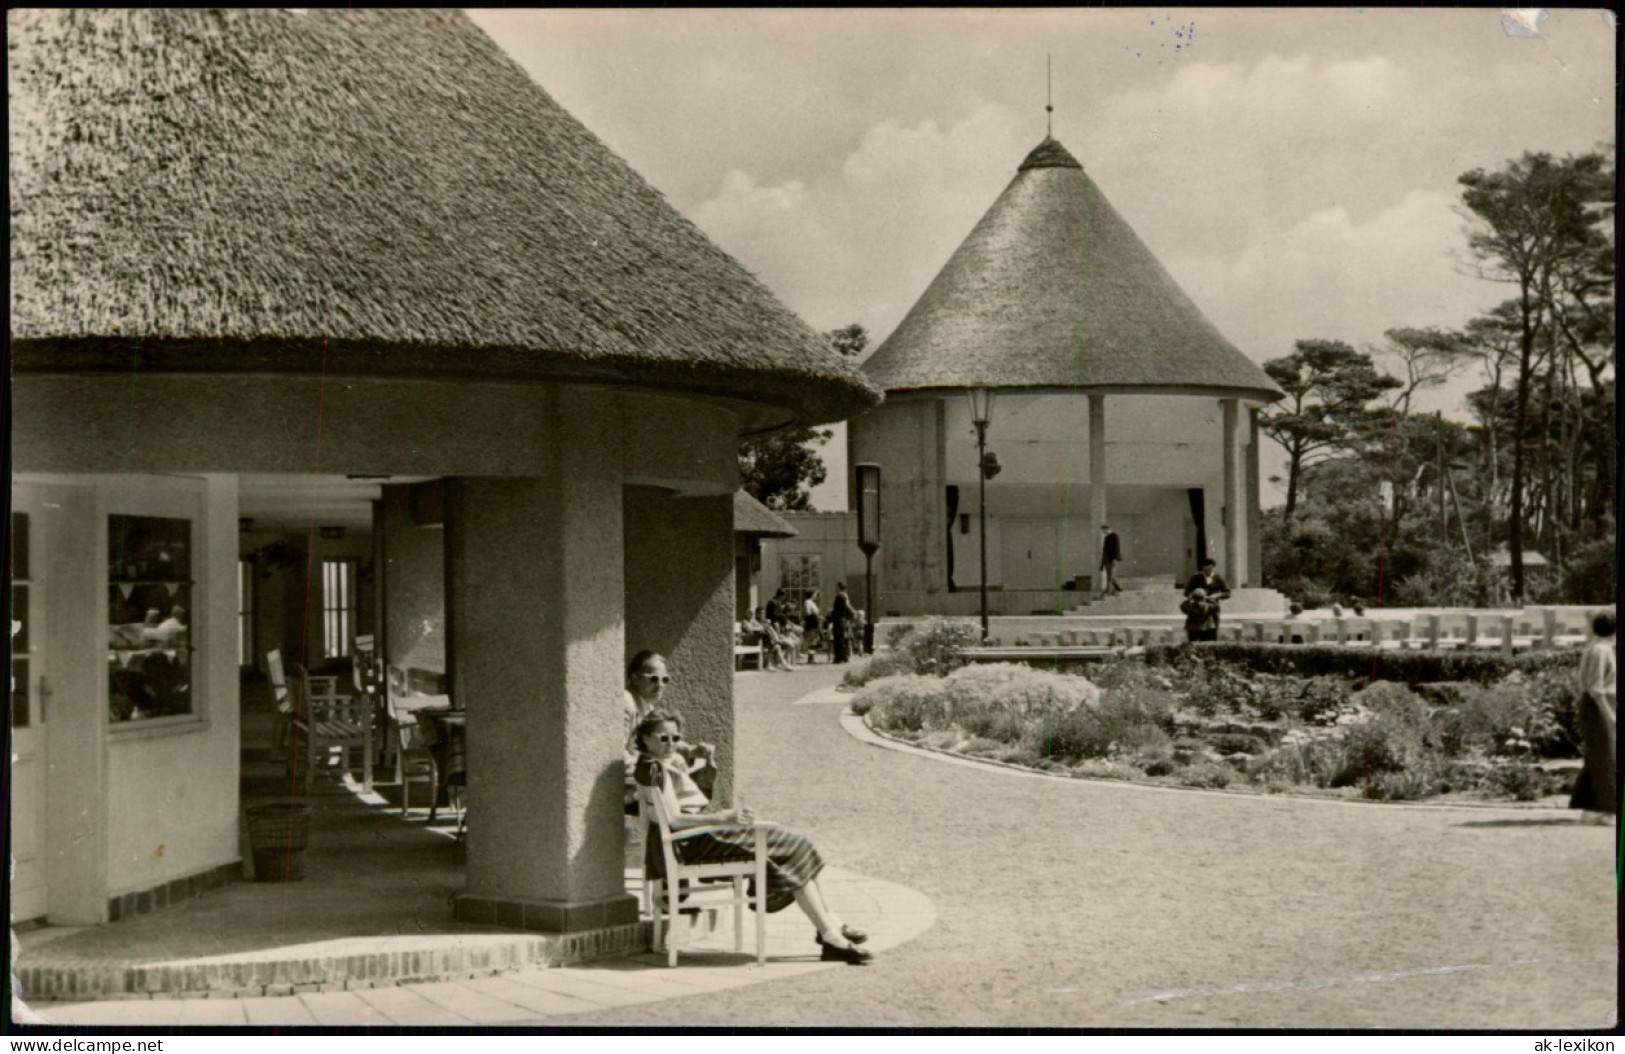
x=1111 y=554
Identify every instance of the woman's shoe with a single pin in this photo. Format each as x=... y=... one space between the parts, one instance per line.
x=851 y=933
x=852 y=954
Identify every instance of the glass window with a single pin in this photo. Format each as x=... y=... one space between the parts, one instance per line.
x=338 y=607
x=799 y=576
x=21 y=619
x=149 y=601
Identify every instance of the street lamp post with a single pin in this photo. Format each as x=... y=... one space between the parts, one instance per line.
x=868 y=489
x=987 y=466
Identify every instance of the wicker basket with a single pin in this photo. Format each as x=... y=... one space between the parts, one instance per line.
x=277 y=835
x=279 y=825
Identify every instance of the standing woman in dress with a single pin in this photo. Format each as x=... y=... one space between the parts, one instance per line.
x=811 y=620
x=1594 y=788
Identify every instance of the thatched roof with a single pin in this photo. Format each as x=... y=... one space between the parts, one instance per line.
x=754 y=518
x=1052 y=289
x=363 y=192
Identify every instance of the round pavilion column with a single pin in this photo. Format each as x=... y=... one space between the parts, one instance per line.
x=535 y=638
x=1097 y=474
x=1235 y=500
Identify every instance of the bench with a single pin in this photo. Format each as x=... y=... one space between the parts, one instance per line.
x=743 y=651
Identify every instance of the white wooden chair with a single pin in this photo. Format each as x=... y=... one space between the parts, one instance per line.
x=323 y=719
x=745 y=652
x=664 y=894
x=414 y=761
x=281 y=696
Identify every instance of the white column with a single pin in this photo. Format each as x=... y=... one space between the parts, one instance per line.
x=1097 y=476
x=1235 y=512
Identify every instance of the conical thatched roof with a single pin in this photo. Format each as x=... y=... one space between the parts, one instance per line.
x=1052 y=289
x=754 y=518
x=376 y=193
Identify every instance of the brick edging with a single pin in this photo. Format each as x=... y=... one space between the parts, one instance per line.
x=60 y=980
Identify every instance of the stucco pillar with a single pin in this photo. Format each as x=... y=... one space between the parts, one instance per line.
x=75 y=713
x=1255 y=534
x=908 y=439
x=534 y=616
x=680 y=603
x=1097 y=477
x=1235 y=514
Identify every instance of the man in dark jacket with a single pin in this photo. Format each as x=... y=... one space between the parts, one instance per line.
x=840 y=613
x=1111 y=554
x=1213 y=587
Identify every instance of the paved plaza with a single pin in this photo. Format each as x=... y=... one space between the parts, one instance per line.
x=999 y=898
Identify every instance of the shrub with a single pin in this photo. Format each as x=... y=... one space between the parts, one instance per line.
x=1237 y=743
x=882 y=664
x=1393 y=738
x=1413 y=667
x=1407 y=785
x=1507 y=719
x=1505 y=778
x=1211 y=774
x=1125 y=720
x=905 y=704
x=931 y=648
x=1304 y=758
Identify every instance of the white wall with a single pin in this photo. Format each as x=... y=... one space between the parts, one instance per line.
x=172 y=785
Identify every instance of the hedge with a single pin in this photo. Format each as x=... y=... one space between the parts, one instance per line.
x=1383 y=664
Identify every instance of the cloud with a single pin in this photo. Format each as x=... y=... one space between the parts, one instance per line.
x=863 y=244
x=1332 y=276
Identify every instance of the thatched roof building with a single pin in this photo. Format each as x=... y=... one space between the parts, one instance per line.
x=364 y=193
x=757 y=520
x=1053 y=290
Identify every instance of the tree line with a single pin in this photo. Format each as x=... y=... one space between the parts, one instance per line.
x=1389 y=505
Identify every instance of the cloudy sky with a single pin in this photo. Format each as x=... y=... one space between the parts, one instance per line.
x=1294 y=170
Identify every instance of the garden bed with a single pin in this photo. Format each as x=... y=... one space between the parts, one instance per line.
x=1199 y=720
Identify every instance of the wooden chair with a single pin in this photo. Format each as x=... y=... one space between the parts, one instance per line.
x=414 y=761
x=281 y=696
x=744 y=652
x=664 y=894
x=446 y=746
x=323 y=719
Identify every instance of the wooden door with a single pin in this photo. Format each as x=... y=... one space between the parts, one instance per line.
x=1031 y=554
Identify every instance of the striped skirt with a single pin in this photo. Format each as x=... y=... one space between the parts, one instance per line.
x=792 y=859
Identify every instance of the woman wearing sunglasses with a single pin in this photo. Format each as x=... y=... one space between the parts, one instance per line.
x=646 y=681
x=793 y=862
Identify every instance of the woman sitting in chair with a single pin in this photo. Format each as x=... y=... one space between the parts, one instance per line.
x=793 y=862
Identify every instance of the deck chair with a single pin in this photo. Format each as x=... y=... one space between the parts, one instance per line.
x=665 y=894
x=323 y=719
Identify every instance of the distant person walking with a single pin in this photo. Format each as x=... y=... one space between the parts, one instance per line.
x=1213 y=587
x=1111 y=554
x=1594 y=787
x=840 y=618
x=811 y=622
